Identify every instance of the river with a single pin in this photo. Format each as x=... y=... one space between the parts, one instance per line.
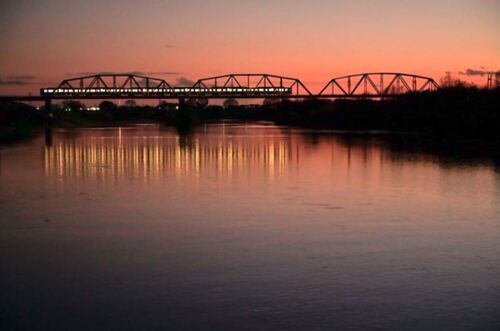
x=243 y=227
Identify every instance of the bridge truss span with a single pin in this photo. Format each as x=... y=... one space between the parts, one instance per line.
x=378 y=84
x=115 y=81
x=108 y=86
x=257 y=85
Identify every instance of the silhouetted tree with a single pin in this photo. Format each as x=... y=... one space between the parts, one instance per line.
x=202 y=102
x=230 y=103
x=163 y=105
x=271 y=101
x=108 y=108
x=130 y=103
x=449 y=81
x=197 y=102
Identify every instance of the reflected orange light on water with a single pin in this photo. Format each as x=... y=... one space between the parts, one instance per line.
x=257 y=157
x=152 y=157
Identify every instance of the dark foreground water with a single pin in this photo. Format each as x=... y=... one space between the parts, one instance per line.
x=243 y=227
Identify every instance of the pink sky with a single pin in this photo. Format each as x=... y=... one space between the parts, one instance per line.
x=43 y=42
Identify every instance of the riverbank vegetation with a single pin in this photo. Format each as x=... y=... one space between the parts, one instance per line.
x=18 y=121
x=459 y=112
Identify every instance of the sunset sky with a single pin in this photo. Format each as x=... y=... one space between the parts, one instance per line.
x=43 y=42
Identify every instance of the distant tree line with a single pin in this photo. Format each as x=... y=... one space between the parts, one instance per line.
x=455 y=111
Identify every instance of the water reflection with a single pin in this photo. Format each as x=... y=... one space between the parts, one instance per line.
x=231 y=225
x=126 y=152
x=152 y=152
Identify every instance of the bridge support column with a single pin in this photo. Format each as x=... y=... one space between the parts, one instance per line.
x=182 y=104
x=48 y=105
x=48 y=110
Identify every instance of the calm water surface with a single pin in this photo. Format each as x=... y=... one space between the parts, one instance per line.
x=243 y=227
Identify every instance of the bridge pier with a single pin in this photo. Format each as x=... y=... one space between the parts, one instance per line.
x=48 y=109
x=182 y=104
x=48 y=105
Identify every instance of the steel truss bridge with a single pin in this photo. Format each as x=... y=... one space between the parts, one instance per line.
x=239 y=86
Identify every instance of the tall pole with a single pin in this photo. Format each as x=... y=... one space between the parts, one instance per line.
x=490 y=80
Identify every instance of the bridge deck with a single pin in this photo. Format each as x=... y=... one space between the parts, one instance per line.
x=124 y=96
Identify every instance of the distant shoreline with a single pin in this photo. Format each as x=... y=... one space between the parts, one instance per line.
x=457 y=117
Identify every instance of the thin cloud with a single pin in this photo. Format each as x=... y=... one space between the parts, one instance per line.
x=13 y=82
x=169 y=45
x=90 y=73
x=17 y=80
x=143 y=82
x=185 y=82
x=139 y=73
x=476 y=72
x=21 y=77
x=173 y=73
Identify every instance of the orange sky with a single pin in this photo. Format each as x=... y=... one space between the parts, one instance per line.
x=43 y=42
